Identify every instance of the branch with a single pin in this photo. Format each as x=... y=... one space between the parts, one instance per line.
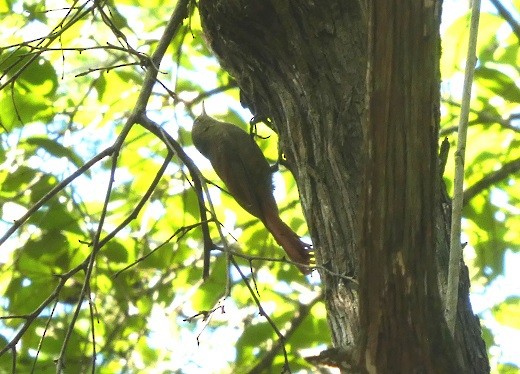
x=180 y=12
x=506 y=170
x=508 y=17
x=482 y=116
x=455 y=245
x=56 y=33
x=195 y=174
x=141 y=202
x=300 y=315
x=60 y=364
x=19 y=222
x=47 y=325
x=174 y=24
x=281 y=337
x=31 y=317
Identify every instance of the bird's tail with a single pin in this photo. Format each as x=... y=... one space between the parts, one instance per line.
x=296 y=250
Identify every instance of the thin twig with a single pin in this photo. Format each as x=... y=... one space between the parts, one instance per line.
x=490 y=179
x=483 y=118
x=93 y=329
x=198 y=183
x=60 y=186
x=455 y=245
x=47 y=324
x=56 y=32
x=107 y=47
x=170 y=31
x=141 y=203
x=60 y=362
x=107 y=68
x=281 y=337
x=515 y=26
x=179 y=232
x=300 y=315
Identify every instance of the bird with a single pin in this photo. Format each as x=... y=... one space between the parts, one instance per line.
x=247 y=175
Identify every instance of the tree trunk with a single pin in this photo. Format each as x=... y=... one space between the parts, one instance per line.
x=304 y=65
x=401 y=308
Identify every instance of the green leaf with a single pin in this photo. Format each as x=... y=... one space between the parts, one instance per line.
x=312 y=331
x=26 y=300
x=43 y=185
x=100 y=85
x=19 y=179
x=56 y=149
x=5 y=6
x=6 y=360
x=18 y=108
x=499 y=83
x=55 y=216
x=508 y=368
x=38 y=77
x=115 y=252
x=35 y=11
x=47 y=247
x=213 y=288
x=486 y=236
x=488 y=336
x=508 y=55
x=507 y=312
x=253 y=337
x=455 y=41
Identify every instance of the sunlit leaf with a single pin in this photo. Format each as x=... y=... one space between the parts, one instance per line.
x=507 y=312
x=499 y=83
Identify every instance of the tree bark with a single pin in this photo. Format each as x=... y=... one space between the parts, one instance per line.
x=401 y=308
x=304 y=65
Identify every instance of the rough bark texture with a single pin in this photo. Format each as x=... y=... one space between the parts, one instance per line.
x=309 y=78
x=403 y=254
x=400 y=307
x=303 y=64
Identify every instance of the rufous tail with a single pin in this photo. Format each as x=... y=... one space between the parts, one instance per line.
x=296 y=250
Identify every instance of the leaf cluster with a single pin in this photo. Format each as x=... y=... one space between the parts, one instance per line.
x=101 y=241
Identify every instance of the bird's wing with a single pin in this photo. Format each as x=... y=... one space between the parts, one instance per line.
x=239 y=177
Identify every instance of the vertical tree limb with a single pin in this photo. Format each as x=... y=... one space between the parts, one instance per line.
x=458 y=188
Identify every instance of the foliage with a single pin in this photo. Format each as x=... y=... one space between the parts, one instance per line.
x=491 y=209
x=107 y=268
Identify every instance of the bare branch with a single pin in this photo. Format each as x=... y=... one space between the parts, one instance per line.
x=515 y=26
x=300 y=315
x=455 y=245
x=195 y=174
x=31 y=317
x=56 y=33
x=482 y=117
x=179 y=232
x=141 y=202
x=490 y=179
x=91 y=259
x=60 y=186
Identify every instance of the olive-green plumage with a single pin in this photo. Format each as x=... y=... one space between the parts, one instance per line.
x=241 y=165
